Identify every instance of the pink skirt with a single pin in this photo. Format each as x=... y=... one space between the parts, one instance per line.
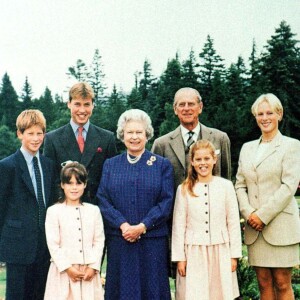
x=208 y=274
x=60 y=287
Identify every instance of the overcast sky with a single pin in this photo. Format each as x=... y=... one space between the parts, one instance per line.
x=41 y=39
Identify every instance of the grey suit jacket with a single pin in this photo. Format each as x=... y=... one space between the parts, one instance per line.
x=61 y=145
x=172 y=147
x=267 y=186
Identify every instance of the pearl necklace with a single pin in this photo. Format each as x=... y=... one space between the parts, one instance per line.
x=133 y=160
x=266 y=141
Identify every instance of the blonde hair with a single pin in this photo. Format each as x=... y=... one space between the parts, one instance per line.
x=82 y=90
x=29 y=118
x=192 y=177
x=271 y=99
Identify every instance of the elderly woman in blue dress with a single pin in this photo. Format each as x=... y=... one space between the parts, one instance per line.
x=267 y=179
x=135 y=198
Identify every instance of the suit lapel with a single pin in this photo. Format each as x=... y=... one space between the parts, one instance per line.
x=272 y=149
x=46 y=178
x=22 y=164
x=71 y=146
x=205 y=133
x=177 y=145
x=90 y=145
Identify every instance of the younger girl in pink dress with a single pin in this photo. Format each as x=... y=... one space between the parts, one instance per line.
x=206 y=237
x=75 y=239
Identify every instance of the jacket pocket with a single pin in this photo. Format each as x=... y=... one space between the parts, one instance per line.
x=12 y=229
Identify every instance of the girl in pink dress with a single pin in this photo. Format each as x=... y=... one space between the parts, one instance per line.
x=206 y=237
x=75 y=239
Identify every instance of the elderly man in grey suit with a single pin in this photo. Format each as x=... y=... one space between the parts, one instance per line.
x=80 y=140
x=175 y=145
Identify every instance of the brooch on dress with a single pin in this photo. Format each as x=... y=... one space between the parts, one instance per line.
x=151 y=160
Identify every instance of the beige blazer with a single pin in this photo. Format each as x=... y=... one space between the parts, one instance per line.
x=172 y=147
x=211 y=218
x=267 y=186
x=75 y=235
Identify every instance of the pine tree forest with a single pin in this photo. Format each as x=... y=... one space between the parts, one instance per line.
x=227 y=92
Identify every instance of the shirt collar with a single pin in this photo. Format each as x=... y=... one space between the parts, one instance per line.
x=185 y=131
x=28 y=157
x=75 y=126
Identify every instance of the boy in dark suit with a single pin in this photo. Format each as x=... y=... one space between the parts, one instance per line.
x=25 y=193
x=80 y=140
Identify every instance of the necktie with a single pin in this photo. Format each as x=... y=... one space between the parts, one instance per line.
x=190 y=140
x=40 y=198
x=80 y=139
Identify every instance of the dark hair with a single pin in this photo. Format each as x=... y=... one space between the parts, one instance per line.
x=192 y=177
x=70 y=169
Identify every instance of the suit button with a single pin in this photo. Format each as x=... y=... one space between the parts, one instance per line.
x=206 y=203
x=205 y=185
x=206 y=222
x=77 y=218
x=206 y=231
x=79 y=240
x=205 y=194
x=206 y=212
x=77 y=208
x=79 y=228
x=80 y=251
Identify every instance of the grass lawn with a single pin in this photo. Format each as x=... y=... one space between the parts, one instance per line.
x=2 y=283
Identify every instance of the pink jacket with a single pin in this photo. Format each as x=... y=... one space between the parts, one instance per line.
x=75 y=235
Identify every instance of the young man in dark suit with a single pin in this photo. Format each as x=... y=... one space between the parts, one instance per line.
x=80 y=140
x=25 y=193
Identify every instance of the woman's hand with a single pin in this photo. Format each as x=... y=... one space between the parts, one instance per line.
x=124 y=227
x=234 y=263
x=133 y=232
x=75 y=274
x=89 y=273
x=255 y=222
x=181 y=268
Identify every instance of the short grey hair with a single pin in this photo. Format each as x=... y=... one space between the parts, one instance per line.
x=187 y=91
x=274 y=102
x=134 y=115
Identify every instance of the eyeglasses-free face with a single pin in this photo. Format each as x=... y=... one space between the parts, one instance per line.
x=135 y=137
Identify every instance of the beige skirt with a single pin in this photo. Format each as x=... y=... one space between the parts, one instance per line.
x=263 y=254
x=208 y=274
x=60 y=287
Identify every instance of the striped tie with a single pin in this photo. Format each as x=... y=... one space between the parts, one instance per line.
x=39 y=192
x=190 y=140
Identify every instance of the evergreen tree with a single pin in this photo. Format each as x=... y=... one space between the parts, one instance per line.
x=26 y=95
x=147 y=89
x=96 y=77
x=280 y=68
x=134 y=99
x=170 y=82
x=210 y=62
x=10 y=106
x=79 y=71
x=189 y=75
x=46 y=105
x=9 y=143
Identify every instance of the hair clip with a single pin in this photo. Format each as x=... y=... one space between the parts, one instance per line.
x=63 y=164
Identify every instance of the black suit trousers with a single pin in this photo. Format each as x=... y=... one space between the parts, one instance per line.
x=28 y=281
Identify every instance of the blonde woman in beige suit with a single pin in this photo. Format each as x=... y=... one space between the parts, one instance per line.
x=206 y=237
x=75 y=239
x=267 y=179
